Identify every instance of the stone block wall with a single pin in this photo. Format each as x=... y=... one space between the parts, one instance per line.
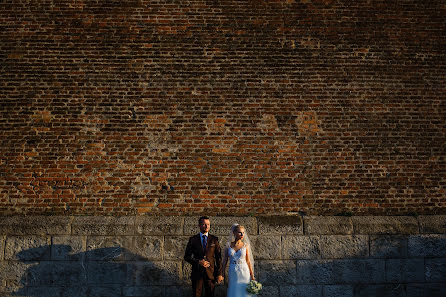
x=138 y=256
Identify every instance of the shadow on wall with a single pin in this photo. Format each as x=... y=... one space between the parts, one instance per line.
x=110 y=272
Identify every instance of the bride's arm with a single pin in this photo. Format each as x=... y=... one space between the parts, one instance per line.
x=251 y=273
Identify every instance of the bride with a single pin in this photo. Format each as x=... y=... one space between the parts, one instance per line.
x=241 y=263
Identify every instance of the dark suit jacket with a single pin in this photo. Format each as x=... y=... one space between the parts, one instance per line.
x=194 y=253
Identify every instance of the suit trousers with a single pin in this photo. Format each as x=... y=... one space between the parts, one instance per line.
x=198 y=284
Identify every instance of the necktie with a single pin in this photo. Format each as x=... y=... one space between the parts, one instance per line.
x=205 y=241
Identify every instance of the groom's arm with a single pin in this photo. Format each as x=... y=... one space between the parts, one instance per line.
x=189 y=255
x=218 y=259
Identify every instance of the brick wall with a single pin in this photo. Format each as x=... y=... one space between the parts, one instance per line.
x=222 y=107
x=142 y=256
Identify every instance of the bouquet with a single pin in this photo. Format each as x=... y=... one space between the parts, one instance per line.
x=254 y=287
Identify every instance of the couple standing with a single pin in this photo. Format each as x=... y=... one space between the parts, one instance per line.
x=204 y=253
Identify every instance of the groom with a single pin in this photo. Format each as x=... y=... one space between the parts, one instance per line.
x=204 y=253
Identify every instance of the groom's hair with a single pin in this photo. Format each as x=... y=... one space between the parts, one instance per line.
x=202 y=218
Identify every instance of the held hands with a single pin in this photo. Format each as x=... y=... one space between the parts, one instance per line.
x=220 y=279
x=204 y=263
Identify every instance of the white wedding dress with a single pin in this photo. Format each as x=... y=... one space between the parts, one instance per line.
x=238 y=273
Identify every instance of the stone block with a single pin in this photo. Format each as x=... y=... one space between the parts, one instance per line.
x=35 y=225
x=270 y=291
x=175 y=246
x=300 y=291
x=404 y=270
x=67 y=247
x=143 y=291
x=105 y=248
x=2 y=247
x=220 y=226
x=388 y=246
x=102 y=291
x=338 y=291
x=266 y=247
x=427 y=245
x=130 y=248
x=14 y=273
x=166 y=273
x=76 y=291
x=387 y=290
x=187 y=291
x=160 y=225
x=280 y=225
x=101 y=225
x=61 y=273
x=107 y=273
x=277 y=272
x=433 y=224
x=187 y=271
x=426 y=290
x=415 y=290
x=361 y=271
x=27 y=248
x=43 y=291
x=301 y=247
x=435 y=270
x=344 y=246
x=46 y=273
x=385 y=225
x=147 y=248
x=328 y=225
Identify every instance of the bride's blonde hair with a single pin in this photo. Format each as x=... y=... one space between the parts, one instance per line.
x=237 y=228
